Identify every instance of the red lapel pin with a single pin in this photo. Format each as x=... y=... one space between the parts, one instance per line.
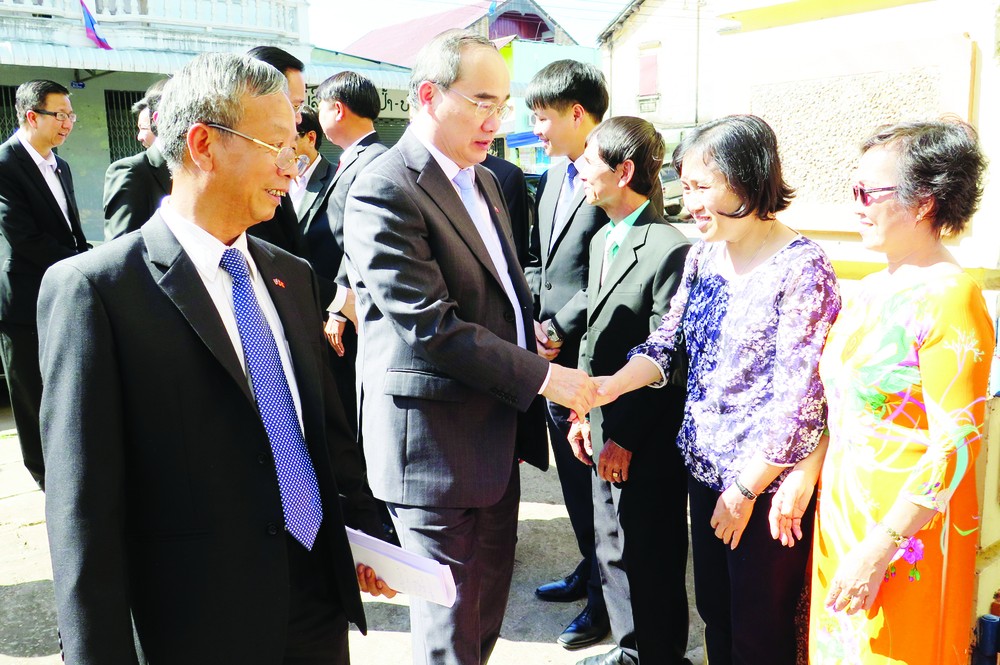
x=278 y=282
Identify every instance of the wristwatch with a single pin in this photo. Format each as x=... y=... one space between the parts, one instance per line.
x=552 y=332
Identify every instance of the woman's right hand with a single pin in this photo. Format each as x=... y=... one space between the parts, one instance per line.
x=789 y=505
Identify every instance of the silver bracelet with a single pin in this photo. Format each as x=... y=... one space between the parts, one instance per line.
x=745 y=491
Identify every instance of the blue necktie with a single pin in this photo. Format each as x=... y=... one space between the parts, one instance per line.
x=566 y=194
x=300 y=498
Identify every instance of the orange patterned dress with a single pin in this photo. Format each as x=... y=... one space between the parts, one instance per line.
x=905 y=370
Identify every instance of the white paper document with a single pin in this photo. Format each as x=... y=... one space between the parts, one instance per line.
x=404 y=571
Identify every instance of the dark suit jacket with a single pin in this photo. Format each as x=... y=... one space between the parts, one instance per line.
x=33 y=230
x=364 y=154
x=515 y=193
x=622 y=312
x=133 y=189
x=557 y=276
x=165 y=500
x=282 y=230
x=443 y=379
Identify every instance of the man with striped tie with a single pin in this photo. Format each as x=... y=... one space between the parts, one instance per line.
x=187 y=414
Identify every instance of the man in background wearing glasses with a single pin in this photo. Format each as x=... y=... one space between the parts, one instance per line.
x=450 y=374
x=39 y=225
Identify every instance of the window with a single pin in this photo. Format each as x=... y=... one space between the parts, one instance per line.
x=122 y=123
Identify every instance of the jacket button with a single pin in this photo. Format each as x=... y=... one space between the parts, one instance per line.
x=508 y=316
x=272 y=529
x=548 y=286
x=262 y=459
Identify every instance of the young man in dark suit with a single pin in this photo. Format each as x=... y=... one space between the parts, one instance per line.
x=135 y=186
x=450 y=373
x=568 y=99
x=640 y=497
x=192 y=482
x=39 y=225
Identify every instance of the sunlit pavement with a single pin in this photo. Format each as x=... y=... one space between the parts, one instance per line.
x=546 y=550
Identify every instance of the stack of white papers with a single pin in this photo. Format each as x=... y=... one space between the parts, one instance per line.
x=404 y=571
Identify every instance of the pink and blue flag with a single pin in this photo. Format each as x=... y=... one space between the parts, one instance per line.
x=91 y=26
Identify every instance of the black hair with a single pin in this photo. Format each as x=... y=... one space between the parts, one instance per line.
x=33 y=94
x=310 y=123
x=624 y=138
x=744 y=149
x=940 y=160
x=354 y=91
x=563 y=83
x=278 y=58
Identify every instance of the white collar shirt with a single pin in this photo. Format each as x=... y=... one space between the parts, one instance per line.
x=205 y=251
x=49 y=168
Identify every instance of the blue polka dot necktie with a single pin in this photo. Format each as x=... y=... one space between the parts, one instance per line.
x=300 y=498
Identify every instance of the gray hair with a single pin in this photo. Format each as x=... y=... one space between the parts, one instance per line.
x=440 y=59
x=210 y=89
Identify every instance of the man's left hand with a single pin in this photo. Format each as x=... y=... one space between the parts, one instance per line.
x=614 y=462
x=371 y=583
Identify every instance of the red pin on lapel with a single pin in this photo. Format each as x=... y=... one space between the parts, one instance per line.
x=278 y=282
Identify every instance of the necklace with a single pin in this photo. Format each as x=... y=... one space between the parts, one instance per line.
x=754 y=257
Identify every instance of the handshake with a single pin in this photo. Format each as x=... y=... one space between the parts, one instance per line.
x=572 y=387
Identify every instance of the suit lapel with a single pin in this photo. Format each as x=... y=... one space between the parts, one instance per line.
x=547 y=206
x=178 y=278
x=35 y=176
x=316 y=190
x=626 y=259
x=566 y=220
x=594 y=275
x=288 y=299
x=432 y=180
x=62 y=171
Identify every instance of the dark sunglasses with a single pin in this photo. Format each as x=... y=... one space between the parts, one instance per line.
x=865 y=195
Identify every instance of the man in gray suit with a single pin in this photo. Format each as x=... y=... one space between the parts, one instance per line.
x=134 y=186
x=450 y=375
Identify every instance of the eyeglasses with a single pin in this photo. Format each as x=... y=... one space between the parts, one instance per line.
x=285 y=156
x=58 y=115
x=865 y=195
x=484 y=109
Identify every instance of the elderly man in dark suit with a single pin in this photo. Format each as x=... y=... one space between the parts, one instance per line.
x=134 y=186
x=194 y=488
x=450 y=373
x=39 y=225
x=640 y=497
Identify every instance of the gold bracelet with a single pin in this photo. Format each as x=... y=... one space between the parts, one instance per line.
x=897 y=538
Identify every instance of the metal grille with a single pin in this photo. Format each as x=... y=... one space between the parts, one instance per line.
x=8 y=116
x=122 y=123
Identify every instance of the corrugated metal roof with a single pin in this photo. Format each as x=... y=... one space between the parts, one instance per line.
x=28 y=54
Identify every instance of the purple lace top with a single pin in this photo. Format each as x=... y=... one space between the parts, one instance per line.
x=753 y=346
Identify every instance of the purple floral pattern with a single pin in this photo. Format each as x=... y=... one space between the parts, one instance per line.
x=753 y=344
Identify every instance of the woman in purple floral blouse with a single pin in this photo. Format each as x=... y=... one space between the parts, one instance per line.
x=753 y=312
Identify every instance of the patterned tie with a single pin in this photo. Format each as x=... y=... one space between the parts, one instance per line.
x=300 y=498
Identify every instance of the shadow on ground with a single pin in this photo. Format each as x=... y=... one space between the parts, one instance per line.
x=28 y=620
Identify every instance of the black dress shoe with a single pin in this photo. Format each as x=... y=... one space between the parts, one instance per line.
x=570 y=588
x=614 y=657
x=590 y=627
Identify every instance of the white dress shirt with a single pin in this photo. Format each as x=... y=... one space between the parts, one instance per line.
x=205 y=251
x=48 y=167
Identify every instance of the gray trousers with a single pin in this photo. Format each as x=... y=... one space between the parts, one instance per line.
x=478 y=545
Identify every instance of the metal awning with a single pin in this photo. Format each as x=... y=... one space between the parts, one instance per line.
x=29 y=54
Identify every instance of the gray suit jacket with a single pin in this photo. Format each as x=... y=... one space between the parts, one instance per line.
x=164 y=504
x=133 y=189
x=621 y=312
x=442 y=377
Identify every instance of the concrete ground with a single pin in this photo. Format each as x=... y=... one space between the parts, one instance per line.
x=546 y=550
